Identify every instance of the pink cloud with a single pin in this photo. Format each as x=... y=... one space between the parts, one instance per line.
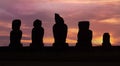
x=99 y=13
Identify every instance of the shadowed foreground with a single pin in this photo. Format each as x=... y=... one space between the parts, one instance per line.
x=61 y=54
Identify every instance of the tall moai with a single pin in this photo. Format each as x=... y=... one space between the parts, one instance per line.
x=37 y=35
x=84 y=35
x=106 y=40
x=15 y=34
x=60 y=30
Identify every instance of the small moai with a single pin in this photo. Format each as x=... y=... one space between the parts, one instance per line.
x=15 y=34
x=60 y=32
x=84 y=35
x=37 y=35
x=106 y=40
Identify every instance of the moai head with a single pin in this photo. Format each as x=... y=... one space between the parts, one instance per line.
x=37 y=23
x=106 y=38
x=58 y=19
x=84 y=25
x=16 y=24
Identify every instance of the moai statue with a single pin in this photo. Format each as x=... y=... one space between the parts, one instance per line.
x=84 y=35
x=60 y=32
x=15 y=34
x=106 y=40
x=37 y=35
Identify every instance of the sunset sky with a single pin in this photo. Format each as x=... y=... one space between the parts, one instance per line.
x=104 y=16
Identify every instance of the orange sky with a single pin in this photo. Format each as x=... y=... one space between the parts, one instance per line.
x=104 y=16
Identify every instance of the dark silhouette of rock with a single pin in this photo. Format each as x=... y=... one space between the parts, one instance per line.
x=106 y=40
x=84 y=35
x=15 y=34
x=37 y=35
x=60 y=32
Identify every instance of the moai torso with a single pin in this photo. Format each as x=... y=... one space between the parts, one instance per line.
x=15 y=37
x=60 y=33
x=85 y=38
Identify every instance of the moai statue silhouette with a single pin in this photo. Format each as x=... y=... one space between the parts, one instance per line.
x=106 y=40
x=37 y=35
x=59 y=32
x=84 y=35
x=15 y=34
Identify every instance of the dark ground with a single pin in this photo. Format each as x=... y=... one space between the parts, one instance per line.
x=71 y=55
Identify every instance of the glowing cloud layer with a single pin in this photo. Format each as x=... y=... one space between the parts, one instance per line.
x=103 y=15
